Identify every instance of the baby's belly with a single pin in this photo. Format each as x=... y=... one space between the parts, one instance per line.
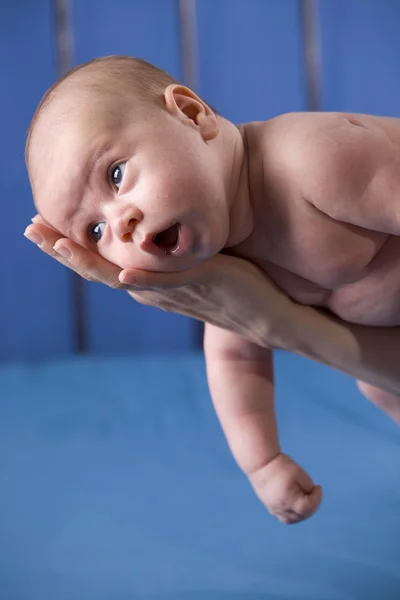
x=373 y=299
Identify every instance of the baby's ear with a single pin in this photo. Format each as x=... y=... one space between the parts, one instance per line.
x=181 y=102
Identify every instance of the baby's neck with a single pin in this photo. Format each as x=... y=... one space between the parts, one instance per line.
x=235 y=152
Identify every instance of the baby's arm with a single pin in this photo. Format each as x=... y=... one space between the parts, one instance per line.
x=240 y=376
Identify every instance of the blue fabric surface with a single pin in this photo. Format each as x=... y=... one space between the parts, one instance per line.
x=116 y=483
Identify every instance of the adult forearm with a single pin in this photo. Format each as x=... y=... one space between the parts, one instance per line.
x=367 y=353
x=237 y=296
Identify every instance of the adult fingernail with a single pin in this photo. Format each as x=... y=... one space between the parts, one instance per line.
x=127 y=279
x=34 y=237
x=63 y=251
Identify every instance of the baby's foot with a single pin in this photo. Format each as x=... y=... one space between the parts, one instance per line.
x=286 y=490
x=386 y=401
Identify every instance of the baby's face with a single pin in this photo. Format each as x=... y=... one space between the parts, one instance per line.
x=148 y=194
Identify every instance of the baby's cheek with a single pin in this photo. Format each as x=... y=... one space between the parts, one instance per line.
x=126 y=256
x=129 y=256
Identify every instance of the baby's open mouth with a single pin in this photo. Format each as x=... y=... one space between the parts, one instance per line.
x=168 y=239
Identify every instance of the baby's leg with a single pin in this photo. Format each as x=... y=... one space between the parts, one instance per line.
x=386 y=401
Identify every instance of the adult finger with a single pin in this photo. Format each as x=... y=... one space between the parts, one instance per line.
x=84 y=262
x=37 y=219
x=153 y=280
x=45 y=238
x=88 y=264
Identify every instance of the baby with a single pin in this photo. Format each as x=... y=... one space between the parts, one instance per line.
x=125 y=160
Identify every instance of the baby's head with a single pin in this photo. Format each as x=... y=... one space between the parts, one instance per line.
x=125 y=160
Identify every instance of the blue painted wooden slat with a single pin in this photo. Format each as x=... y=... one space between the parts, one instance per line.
x=251 y=57
x=251 y=60
x=361 y=55
x=35 y=311
x=147 y=29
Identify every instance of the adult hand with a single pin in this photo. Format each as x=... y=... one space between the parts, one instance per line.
x=225 y=291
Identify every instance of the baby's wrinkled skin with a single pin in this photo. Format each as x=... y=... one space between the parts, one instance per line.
x=312 y=199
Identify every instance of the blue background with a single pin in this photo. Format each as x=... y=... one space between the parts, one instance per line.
x=251 y=66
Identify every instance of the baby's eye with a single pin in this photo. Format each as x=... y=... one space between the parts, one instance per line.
x=95 y=232
x=116 y=174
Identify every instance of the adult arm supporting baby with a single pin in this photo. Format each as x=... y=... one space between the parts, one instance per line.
x=241 y=381
x=234 y=294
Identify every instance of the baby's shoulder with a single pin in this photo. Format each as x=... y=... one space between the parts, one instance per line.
x=303 y=146
x=292 y=134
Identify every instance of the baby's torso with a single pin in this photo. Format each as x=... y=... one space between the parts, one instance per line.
x=316 y=260
x=360 y=291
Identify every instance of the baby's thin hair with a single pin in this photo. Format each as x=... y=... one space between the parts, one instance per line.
x=116 y=75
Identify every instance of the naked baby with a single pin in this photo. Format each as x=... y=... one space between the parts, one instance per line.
x=125 y=160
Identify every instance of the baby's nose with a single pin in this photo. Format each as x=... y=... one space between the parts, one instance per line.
x=125 y=222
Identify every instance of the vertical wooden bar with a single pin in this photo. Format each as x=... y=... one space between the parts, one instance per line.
x=190 y=69
x=35 y=306
x=312 y=54
x=65 y=54
x=149 y=30
x=188 y=31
